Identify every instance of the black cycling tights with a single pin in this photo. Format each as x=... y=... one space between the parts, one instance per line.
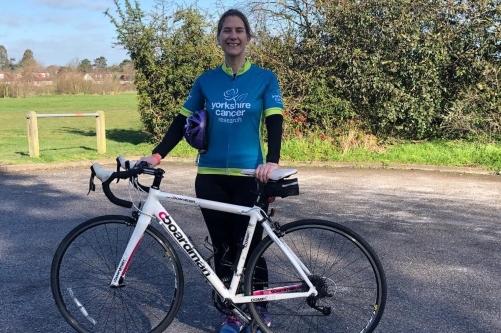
x=227 y=230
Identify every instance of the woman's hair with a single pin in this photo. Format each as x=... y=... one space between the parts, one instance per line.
x=235 y=12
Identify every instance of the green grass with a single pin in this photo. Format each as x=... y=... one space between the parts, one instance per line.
x=66 y=139
x=443 y=153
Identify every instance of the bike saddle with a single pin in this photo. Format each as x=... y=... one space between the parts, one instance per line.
x=275 y=175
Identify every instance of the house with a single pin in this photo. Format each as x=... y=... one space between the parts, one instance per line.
x=125 y=79
x=87 y=77
x=53 y=70
x=6 y=78
x=101 y=76
x=34 y=78
x=39 y=78
x=42 y=75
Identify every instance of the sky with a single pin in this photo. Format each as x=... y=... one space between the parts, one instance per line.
x=65 y=32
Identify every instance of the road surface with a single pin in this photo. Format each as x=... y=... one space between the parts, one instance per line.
x=438 y=235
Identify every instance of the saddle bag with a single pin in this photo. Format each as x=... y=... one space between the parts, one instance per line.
x=282 y=188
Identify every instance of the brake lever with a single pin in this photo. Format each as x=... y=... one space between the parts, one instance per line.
x=137 y=165
x=92 y=186
x=141 y=164
x=118 y=166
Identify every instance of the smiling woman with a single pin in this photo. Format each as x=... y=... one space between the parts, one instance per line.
x=240 y=98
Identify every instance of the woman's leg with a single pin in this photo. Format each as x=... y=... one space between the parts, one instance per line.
x=227 y=230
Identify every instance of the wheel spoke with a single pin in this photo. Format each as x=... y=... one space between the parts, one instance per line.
x=345 y=270
x=85 y=263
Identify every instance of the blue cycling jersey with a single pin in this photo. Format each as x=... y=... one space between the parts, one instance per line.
x=237 y=105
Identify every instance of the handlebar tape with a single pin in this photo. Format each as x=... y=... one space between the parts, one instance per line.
x=107 y=177
x=113 y=198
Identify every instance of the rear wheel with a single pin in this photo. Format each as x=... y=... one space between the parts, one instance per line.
x=85 y=263
x=345 y=270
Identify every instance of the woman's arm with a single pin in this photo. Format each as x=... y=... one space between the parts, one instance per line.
x=172 y=137
x=274 y=129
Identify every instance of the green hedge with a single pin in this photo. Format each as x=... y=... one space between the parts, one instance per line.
x=395 y=68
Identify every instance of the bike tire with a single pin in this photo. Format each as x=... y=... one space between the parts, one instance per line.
x=348 y=270
x=85 y=262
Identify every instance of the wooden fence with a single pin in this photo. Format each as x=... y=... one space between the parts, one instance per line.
x=34 y=147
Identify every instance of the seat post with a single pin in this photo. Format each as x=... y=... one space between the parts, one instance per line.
x=261 y=200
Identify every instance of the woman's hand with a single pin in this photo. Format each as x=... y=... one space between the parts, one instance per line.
x=263 y=171
x=152 y=160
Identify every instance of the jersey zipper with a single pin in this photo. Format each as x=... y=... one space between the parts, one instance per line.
x=229 y=133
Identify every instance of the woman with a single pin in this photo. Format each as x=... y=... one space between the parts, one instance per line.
x=238 y=96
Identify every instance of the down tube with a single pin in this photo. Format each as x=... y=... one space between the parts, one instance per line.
x=182 y=240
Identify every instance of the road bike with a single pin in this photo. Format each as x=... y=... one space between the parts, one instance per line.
x=119 y=273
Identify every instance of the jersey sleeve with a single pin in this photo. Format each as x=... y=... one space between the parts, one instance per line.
x=274 y=129
x=273 y=103
x=172 y=137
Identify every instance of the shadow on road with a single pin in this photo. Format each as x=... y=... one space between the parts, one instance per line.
x=438 y=237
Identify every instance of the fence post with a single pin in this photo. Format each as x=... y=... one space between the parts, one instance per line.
x=34 y=146
x=101 y=133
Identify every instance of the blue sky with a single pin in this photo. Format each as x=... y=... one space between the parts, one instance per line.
x=62 y=32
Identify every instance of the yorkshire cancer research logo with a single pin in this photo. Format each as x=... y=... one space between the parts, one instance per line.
x=233 y=108
x=278 y=97
x=232 y=95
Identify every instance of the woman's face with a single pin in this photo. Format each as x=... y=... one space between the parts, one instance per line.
x=233 y=37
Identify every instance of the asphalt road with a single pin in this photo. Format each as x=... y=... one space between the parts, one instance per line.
x=437 y=234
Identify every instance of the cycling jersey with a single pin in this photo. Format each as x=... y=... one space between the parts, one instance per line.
x=237 y=105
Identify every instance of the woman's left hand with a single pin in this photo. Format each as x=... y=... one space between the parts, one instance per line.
x=263 y=171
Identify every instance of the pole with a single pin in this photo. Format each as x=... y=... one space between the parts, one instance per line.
x=34 y=146
x=101 y=133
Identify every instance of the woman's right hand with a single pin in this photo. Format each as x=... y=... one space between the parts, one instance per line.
x=152 y=160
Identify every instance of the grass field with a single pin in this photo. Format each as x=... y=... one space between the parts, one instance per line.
x=66 y=139
x=70 y=138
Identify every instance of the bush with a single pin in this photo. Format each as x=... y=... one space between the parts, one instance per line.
x=397 y=68
x=168 y=53
x=68 y=83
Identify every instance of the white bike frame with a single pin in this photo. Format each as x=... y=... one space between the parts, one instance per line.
x=153 y=207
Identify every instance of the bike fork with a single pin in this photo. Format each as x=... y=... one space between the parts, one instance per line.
x=132 y=245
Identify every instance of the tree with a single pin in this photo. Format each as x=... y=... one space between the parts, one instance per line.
x=4 y=58
x=85 y=66
x=404 y=68
x=12 y=64
x=28 y=60
x=127 y=67
x=100 y=63
x=168 y=53
x=396 y=68
x=114 y=69
x=126 y=63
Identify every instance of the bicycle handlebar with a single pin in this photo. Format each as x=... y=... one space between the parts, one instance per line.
x=277 y=186
x=132 y=170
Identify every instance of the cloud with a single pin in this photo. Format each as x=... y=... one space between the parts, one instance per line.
x=10 y=21
x=76 y=4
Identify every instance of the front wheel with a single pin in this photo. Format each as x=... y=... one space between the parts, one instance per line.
x=85 y=262
x=345 y=270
